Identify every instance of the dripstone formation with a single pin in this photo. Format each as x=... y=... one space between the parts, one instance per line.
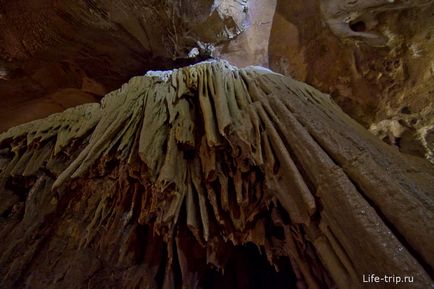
x=210 y=176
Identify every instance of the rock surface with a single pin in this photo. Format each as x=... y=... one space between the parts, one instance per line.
x=48 y=46
x=374 y=57
x=192 y=177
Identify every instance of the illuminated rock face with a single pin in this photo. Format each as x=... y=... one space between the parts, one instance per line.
x=374 y=57
x=93 y=46
x=210 y=176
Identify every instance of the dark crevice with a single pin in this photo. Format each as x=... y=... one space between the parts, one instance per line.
x=177 y=274
x=405 y=110
x=20 y=185
x=358 y=26
x=7 y=212
x=142 y=241
x=247 y=268
x=159 y=277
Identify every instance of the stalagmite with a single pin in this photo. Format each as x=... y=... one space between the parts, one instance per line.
x=191 y=178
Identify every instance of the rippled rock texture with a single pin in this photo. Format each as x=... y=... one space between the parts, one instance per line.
x=210 y=176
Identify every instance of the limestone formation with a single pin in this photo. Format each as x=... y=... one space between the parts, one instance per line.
x=210 y=176
x=354 y=18
x=47 y=46
x=374 y=57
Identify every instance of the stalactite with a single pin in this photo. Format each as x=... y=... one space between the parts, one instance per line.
x=169 y=177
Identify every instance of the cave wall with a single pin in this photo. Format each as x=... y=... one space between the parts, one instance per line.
x=375 y=58
x=57 y=54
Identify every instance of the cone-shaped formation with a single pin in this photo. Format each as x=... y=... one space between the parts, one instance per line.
x=210 y=177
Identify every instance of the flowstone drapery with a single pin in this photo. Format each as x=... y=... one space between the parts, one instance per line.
x=210 y=176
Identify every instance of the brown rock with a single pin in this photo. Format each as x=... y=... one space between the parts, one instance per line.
x=98 y=45
x=210 y=177
x=374 y=57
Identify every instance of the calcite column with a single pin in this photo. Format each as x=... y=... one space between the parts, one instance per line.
x=179 y=177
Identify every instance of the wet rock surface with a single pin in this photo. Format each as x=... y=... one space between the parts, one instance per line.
x=210 y=177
